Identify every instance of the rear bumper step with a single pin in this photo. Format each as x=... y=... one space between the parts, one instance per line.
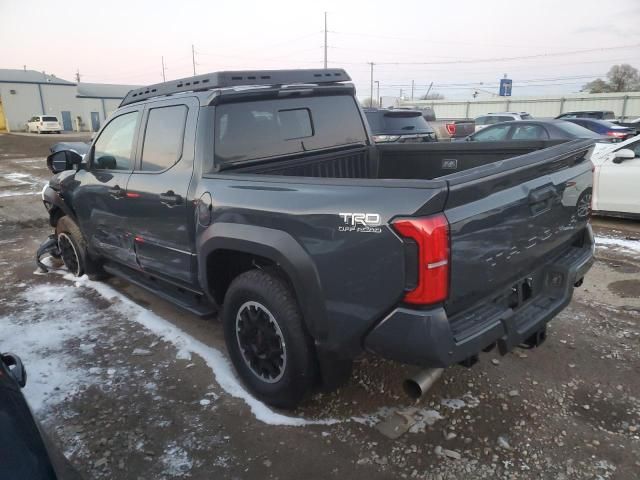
x=429 y=338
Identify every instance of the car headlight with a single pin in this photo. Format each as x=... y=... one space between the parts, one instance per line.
x=385 y=138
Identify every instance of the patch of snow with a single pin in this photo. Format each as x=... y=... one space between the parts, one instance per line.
x=176 y=461
x=52 y=316
x=426 y=418
x=205 y=401
x=467 y=400
x=216 y=361
x=622 y=243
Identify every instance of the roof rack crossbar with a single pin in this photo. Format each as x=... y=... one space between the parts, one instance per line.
x=237 y=78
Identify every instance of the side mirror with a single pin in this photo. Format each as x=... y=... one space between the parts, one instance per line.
x=623 y=154
x=15 y=367
x=63 y=160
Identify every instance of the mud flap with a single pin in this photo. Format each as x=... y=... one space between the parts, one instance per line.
x=49 y=246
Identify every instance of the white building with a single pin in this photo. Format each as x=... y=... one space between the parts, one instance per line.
x=78 y=106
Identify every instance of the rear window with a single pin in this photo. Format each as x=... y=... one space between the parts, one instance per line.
x=268 y=128
x=397 y=122
x=608 y=116
x=576 y=130
x=49 y=119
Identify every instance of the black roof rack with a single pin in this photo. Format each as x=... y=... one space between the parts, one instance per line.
x=236 y=78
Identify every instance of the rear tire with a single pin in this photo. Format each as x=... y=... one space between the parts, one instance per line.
x=266 y=339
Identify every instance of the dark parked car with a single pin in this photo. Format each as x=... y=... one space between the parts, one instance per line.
x=403 y=126
x=533 y=130
x=617 y=133
x=595 y=114
x=25 y=452
x=272 y=202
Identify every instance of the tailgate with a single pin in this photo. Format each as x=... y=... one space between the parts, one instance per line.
x=512 y=216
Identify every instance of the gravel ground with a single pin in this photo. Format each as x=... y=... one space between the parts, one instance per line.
x=130 y=387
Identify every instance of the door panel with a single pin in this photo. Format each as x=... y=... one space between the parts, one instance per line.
x=101 y=200
x=160 y=211
x=66 y=121
x=618 y=184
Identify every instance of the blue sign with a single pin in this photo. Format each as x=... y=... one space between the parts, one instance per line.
x=505 y=87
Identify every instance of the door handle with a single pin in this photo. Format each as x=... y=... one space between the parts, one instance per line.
x=170 y=198
x=116 y=192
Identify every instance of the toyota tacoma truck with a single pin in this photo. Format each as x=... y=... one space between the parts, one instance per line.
x=261 y=194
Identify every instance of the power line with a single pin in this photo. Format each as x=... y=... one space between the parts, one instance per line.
x=325 y=40
x=521 y=57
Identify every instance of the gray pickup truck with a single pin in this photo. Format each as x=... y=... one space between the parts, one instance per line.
x=260 y=192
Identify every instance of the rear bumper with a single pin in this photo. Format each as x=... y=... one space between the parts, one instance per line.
x=430 y=338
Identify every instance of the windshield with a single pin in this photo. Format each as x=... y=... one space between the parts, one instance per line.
x=576 y=130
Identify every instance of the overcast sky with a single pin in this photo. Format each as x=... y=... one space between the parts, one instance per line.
x=119 y=41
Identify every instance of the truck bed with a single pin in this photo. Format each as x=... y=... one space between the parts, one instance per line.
x=396 y=161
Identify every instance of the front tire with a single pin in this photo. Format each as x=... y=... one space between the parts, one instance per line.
x=266 y=339
x=72 y=246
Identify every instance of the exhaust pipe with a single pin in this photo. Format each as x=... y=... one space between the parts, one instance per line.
x=422 y=382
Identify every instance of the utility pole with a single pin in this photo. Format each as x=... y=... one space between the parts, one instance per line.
x=426 y=96
x=193 y=58
x=325 y=40
x=163 y=76
x=400 y=94
x=412 y=88
x=377 y=82
x=78 y=76
x=371 y=98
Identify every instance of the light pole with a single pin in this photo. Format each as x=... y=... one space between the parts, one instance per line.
x=377 y=82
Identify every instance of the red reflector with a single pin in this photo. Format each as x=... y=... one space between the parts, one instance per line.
x=431 y=234
x=139 y=239
x=133 y=195
x=451 y=128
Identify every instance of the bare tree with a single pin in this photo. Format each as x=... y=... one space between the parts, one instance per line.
x=622 y=78
x=366 y=102
x=597 y=86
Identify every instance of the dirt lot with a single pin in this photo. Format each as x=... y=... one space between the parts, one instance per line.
x=132 y=388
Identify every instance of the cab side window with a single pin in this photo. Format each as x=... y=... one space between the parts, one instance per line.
x=114 y=148
x=163 y=137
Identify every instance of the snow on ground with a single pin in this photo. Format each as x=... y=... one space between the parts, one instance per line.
x=187 y=344
x=626 y=244
x=51 y=315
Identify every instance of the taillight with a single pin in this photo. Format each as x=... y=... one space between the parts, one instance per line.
x=616 y=134
x=431 y=235
x=451 y=128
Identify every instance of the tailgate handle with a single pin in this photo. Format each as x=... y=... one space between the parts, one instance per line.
x=542 y=199
x=543 y=194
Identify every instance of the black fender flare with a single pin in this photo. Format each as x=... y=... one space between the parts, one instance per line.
x=53 y=197
x=282 y=249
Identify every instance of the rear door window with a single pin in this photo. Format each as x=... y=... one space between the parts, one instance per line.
x=529 y=132
x=163 y=137
x=267 y=128
x=495 y=133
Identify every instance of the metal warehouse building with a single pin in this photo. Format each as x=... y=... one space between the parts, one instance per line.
x=78 y=106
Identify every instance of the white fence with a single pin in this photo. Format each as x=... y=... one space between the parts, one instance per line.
x=625 y=105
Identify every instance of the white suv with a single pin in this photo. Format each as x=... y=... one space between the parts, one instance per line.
x=44 y=123
x=499 y=117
